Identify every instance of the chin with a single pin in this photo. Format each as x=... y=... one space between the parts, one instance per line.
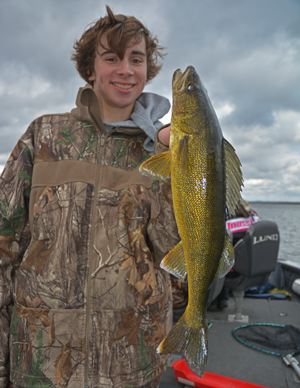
x=124 y=103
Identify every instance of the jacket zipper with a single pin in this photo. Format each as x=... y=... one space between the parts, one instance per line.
x=88 y=296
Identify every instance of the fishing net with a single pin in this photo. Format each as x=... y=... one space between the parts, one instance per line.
x=278 y=340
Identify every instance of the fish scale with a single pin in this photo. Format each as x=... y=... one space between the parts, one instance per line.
x=205 y=178
x=194 y=229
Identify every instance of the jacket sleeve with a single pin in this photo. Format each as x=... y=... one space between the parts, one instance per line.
x=15 y=183
x=162 y=228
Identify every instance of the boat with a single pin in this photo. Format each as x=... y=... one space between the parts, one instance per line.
x=231 y=364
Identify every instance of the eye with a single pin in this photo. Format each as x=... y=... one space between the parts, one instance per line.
x=192 y=87
x=137 y=61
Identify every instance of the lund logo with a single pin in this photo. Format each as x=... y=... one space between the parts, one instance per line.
x=272 y=237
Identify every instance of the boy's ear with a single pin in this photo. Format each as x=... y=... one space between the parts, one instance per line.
x=91 y=77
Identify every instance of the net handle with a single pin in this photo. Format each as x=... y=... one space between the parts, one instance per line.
x=293 y=362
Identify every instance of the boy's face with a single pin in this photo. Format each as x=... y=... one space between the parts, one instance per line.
x=119 y=82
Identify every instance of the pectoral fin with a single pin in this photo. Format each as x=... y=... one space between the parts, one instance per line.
x=183 y=149
x=158 y=166
x=174 y=262
x=227 y=259
x=233 y=177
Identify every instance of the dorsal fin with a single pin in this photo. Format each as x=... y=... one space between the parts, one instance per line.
x=233 y=176
x=227 y=259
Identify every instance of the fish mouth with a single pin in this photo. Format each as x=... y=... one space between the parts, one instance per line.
x=177 y=74
x=182 y=80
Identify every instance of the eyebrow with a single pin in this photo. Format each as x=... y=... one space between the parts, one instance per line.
x=133 y=52
x=107 y=52
x=138 y=53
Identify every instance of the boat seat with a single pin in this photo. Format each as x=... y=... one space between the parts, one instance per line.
x=255 y=258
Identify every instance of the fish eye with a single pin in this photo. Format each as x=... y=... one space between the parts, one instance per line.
x=192 y=87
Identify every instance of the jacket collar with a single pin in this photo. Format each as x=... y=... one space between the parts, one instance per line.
x=88 y=108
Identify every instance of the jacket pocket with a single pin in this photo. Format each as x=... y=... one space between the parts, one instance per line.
x=123 y=345
x=47 y=347
x=46 y=216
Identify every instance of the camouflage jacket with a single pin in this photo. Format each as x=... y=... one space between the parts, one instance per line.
x=83 y=300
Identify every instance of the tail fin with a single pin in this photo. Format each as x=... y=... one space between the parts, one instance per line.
x=191 y=341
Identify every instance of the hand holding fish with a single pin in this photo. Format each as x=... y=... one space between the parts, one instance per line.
x=164 y=136
x=205 y=179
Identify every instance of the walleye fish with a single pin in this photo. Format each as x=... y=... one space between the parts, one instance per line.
x=205 y=177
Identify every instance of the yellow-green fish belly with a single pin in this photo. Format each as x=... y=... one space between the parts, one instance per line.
x=198 y=197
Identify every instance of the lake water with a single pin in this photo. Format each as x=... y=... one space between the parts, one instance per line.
x=287 y=217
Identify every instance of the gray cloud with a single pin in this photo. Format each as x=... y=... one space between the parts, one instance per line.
x=246 y=53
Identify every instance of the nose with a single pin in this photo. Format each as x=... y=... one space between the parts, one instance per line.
x=125 y=68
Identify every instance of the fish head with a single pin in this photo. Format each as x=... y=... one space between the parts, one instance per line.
x=192 y=111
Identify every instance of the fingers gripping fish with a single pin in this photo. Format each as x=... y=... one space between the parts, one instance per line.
x=205 y=178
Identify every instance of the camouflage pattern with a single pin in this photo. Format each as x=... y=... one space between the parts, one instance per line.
x=179 y=292
x=83 y=300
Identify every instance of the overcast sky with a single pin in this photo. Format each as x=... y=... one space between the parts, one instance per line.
x=247 y=53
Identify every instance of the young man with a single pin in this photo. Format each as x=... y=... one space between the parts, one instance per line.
x=83 y=300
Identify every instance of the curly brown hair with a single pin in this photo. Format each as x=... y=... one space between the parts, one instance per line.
x=119 y=31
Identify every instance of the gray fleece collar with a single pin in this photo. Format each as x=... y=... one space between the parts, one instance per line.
x=147 y=110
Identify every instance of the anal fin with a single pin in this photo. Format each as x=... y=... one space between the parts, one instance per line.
x=174 y=262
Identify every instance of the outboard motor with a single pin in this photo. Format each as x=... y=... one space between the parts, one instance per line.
x=256 y=253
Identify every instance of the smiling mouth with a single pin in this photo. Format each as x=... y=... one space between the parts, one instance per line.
x=122 y=86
